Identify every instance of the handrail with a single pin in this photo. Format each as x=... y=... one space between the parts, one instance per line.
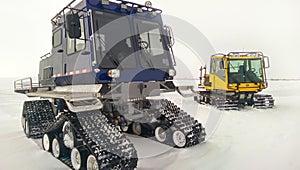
x=140 y=6
x=45 y=56
x=60 y=12
x=245 y=53
x=25 y=84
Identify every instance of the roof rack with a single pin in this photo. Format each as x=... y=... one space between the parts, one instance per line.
x=133 y=5
x=60 y=13
x=144 y=7
x=218 y=54
x=45 y=56
x=245 y=54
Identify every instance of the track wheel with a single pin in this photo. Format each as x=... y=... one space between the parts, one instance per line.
x=136 y=128
x=124 y=128
x=179 y=139
x=58 y=149
x=69 y=135
x=46 y=142
x=27 y=128
x=79 y=157
x=160 y=134
x=23 y=122
x=92 y=163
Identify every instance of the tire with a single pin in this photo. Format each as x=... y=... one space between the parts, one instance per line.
x=46 y=142
x=69 y=136
x=179 y=139
x=136 y=128
x=27 y=129
x=58 y=149
x=79 y=157
x=23 y=122
x=160 y=134
x=124 y=128
x=92 y=163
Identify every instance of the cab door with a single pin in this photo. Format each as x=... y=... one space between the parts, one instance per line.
x=219 y=78
x=57 y=52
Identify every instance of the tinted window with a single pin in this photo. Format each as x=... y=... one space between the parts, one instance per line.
x=75 y=45
x=48 y=73
x=151 y=44
x=57 y=36
x=113 y=41
x=245 y=71
x=220 y=71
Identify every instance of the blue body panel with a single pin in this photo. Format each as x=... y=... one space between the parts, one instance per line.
x=138 y=74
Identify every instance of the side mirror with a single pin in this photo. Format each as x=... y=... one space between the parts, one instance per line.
x=266 y=62
x=170 y=36
x=221 y=65
x=73 y=26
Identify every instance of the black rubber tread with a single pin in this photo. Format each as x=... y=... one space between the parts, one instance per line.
x=113 y=149
x=174 y=117
x=226 y=104
x=56 y=130
x=39 y=115
x=219 y=101
x=263 y=101
x=102 y=139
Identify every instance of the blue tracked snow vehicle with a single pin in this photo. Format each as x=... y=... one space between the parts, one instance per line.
x=109 y=62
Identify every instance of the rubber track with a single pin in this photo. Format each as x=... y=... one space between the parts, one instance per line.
x=114 y=150
x=105 y=141
x=176 y=118
x=260 y=101
x=39 y=115
x=263 y=101
x=226 y=104
x=219 y=101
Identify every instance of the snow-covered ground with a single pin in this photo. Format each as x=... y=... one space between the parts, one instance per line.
x=247 y=139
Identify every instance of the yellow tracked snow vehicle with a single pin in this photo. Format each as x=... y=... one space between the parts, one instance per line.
x=234 y=81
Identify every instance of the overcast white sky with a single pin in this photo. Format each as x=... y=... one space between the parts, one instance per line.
x=271 y=26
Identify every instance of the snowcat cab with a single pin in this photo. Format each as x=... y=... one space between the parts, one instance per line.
x=100 y=42
x=237 y=76
x=109 y=60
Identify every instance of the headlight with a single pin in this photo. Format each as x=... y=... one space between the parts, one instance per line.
x=148 y=4
x=172 y=72
x=265 y=84
x=115 y=73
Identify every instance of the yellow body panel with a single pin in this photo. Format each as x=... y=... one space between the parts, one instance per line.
x=218 y=83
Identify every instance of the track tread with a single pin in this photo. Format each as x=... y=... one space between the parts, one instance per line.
x=263 y=101
x=102 y=139
x=177 y=118
x=39 y=115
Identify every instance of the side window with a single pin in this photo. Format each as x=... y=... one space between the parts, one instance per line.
x=56 y=38
x=75 y=45
x=48 y=73
x=212 y=69
x=219 y=64
x=220 y=71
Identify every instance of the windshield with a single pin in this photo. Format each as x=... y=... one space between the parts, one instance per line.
x=151 y=44
x=113 y=40
x=245 y=71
